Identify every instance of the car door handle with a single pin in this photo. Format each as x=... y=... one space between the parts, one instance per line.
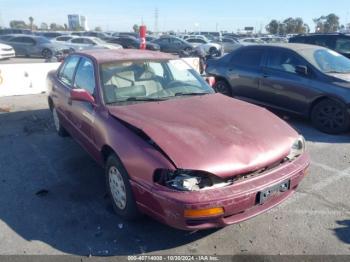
x=265 y=76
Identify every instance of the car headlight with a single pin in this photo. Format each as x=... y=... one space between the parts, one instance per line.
x=189 y=180
x=298 y=148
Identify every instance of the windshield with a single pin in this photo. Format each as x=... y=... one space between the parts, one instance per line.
x=150 y=81
x=327 y=61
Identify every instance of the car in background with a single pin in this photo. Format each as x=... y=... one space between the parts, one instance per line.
x=34 y=46
x=229 y=44
x=8 y=31
x=337 y=42
x=171 y=44
x=77 y=33
x=129 y=42
x=86 y=42
x=274 y=39
x=253 y=40
x=209 y=48
x=99 y=35
x=6 y=51
x=188 y=174
x=63 y=38
x=50 y=35
x=307 y=80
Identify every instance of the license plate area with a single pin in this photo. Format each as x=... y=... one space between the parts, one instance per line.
x=266 y=194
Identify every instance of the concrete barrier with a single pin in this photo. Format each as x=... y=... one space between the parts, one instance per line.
x=25 y=79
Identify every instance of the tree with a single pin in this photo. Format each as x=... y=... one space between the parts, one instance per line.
x=18 y=24
x=272 y=27
x=327 y=24
x=31 y=21
x=98 y=29
x=136 y=28
x=65 y=27
x=44 y=26
x=56 y=27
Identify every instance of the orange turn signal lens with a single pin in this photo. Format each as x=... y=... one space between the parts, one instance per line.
x=195 y=213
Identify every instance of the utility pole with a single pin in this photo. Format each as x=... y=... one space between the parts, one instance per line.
x=156 y=17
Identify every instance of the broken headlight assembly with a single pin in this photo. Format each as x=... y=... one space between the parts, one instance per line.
x=298 y=148
x=188 y=180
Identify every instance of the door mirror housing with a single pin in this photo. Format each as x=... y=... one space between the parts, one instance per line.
x=302 y=70
x=81 y=95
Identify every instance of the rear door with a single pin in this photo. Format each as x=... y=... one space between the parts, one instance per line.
x=61 y=90
x=244 y=71
x=281 y=86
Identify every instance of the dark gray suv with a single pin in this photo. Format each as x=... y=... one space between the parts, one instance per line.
x=307 y=80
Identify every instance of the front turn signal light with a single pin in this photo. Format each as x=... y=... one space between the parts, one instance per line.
x=198 y=213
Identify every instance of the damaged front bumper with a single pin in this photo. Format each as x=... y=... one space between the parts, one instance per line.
x=240 y=201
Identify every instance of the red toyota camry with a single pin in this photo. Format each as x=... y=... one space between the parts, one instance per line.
x=171 y=147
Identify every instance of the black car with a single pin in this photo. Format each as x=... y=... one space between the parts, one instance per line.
x=129 y=42
x=307 y=80
x=336 y=42
x=172 y=44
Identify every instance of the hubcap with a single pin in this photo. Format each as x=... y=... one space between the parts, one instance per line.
x=117 y=187
x=331 y=117
x=56 y=120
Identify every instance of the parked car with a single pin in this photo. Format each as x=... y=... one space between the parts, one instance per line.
x=307 y=80
x=7 y=31
x=99 y=35
x=129 y=42
x=336 y=42
x=213 y=49
x=86 y=42
x=171 y=44
x=229 y=44
x=50 y=35
x=168 y=149
x=6 y=52
x=33 y=46
x=253 y=40
x=63 y=38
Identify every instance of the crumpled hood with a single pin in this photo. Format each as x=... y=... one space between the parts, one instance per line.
x=212 y=133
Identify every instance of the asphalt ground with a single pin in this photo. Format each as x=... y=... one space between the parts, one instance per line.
x=22 y=60
x=53 y=200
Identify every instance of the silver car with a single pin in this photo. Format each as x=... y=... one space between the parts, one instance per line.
x=33 y=46
x=86 y=42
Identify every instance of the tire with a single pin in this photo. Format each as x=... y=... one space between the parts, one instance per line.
x=47 y=53
x=119 y=189
x=221 y=86
x=330 y=116
x=61 y=131
x=213 y=51
x=188 y=49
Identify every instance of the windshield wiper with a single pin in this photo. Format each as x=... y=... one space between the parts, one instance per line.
x=145 y=99
x=191 y=94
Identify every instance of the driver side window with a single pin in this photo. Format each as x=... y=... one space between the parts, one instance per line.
x=284 y=61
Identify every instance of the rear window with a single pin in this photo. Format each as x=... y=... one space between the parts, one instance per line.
x=248 y=58
x=342 y=45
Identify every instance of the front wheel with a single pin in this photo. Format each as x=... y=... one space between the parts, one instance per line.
x=47 y=53
x=120 y=190
x=221 y=86
x=330 y=116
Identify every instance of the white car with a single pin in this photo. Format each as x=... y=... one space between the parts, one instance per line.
x=87 y=42
x=208 y=47
x=6 y=51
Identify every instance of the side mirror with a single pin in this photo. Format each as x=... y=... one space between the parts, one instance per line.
x=81 y=95
x=301 y=70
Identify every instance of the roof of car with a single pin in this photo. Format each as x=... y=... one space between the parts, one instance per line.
x=292 y=46
x=115 y=55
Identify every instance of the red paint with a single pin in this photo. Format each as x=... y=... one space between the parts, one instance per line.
x=81 y=95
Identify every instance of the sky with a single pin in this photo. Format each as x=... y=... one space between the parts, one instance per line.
x=177 y=15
